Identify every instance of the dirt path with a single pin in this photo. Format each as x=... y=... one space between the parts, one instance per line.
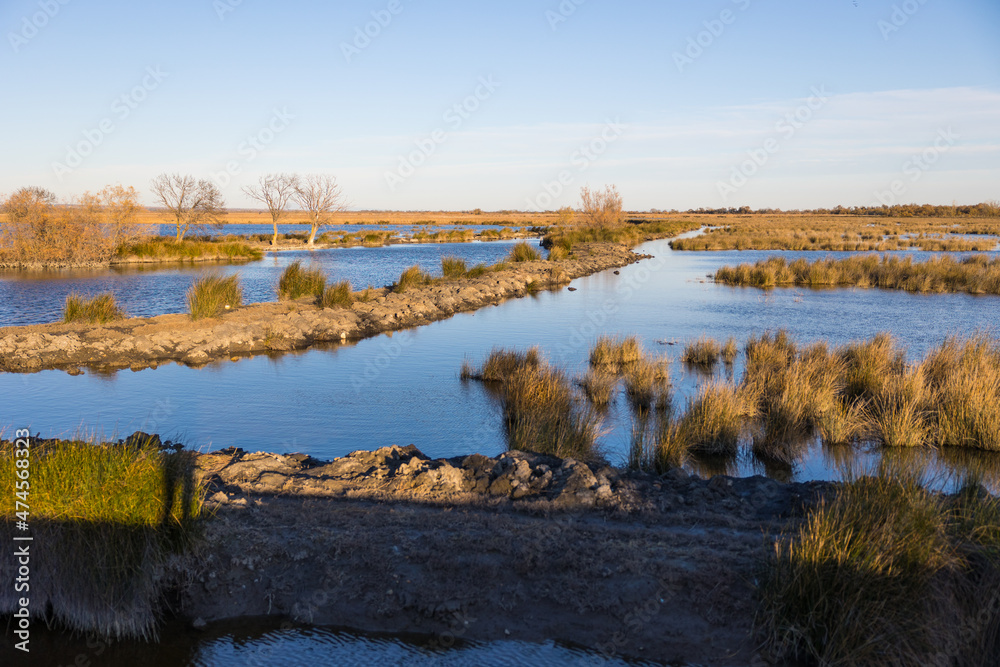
x=626 y=564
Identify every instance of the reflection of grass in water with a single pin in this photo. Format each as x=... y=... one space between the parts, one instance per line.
x=104 y=517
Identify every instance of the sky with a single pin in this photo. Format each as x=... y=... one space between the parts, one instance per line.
x=434 y=105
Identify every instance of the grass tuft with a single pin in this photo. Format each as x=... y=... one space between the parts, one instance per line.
x=613 y=354
x=453 y=267
x=411 y=277
x=523 y=252
x=99 y=309
x=213 y=295
x=296 y=282
x=702 y=353
x=338 y=296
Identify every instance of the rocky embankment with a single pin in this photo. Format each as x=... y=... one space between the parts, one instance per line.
x=263 y=328
x=520 y=546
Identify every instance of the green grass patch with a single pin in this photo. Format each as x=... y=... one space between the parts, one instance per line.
x=99 y=309
x=213 y=295
x=296 y=282
x=169 y=250
x=338 y=295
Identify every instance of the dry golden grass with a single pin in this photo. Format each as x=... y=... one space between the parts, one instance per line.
x=839 y=232
x=977 y=274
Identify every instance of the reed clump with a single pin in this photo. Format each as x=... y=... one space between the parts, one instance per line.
x=599 y=387
x=977 y=274
x=647 y=384
x=99 y=309
x=541 y=411
x=885 y=572
x=296 y=282
x=614 y=354
x=703 y=353
x=411 y=277
x=338 y=295
x=453 y=267
x=523 y=252
x=214 y=294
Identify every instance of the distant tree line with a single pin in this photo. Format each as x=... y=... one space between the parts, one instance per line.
x=990 y=209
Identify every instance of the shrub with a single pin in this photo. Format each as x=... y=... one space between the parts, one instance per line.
x=99 y=309
x=338 y=296
x=523 y=252
x=296 y=282
x=411 y=277
x=213 y=295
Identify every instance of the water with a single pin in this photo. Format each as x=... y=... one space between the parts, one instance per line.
x=404 y=388
x=39 y=297
x=260 y=642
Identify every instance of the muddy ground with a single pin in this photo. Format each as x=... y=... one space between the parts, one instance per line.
x=521 y=546
x=271 y=327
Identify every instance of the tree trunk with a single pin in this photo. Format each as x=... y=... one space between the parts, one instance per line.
x=274 y=239
x=312 y=235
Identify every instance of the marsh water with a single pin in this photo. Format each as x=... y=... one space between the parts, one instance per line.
x=405 y=388
x=152 y=289
x=265 y=643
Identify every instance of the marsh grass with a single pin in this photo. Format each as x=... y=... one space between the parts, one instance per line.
x=614 y=354
x=411 y=277
x=109 y=515
x=541 y=414
x=630 y=234
x=296 y=282
x=478 y=271
x=188 y=249
x=977 y=274
x=883 y=571
x=703 y=353
x=715 y=419
x=99 y=309
x=558 y=253
x=212 y=295
x=523 y=252
x=599 y=387
x=453 y=267
x=730 y=351
x=541 y=411
x=338 y=295
x=647 y=384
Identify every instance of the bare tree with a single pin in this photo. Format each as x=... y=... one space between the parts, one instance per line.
x=274 y=191
x=320 y=196
x=601 y=209
x=116 y=210
x=192 y=203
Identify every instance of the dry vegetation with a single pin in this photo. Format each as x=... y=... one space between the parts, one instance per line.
x=976 y=274
x=842 y=233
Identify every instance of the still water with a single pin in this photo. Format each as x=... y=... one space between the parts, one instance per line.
x=39 y=297
x=404 y=388
x=261 y=643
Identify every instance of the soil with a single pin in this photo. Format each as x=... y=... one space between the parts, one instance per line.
x=273 y=327
x=522 y=546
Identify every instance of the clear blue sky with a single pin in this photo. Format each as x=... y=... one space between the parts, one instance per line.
x=691 y=126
